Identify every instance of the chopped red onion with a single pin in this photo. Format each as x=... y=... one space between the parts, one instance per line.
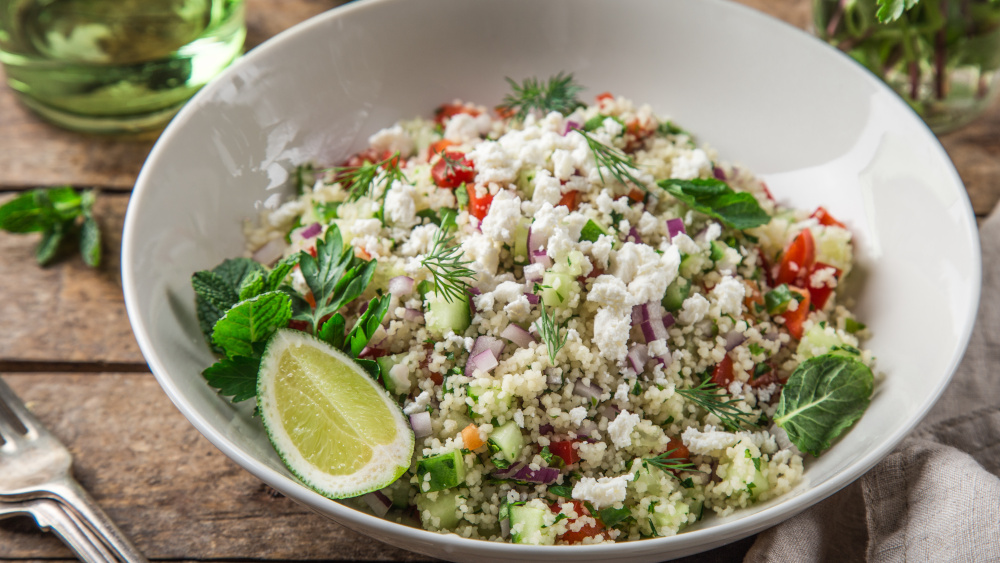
x=401 y=285
x=653 y=330
x=570 y=125
x=546 y=429
x=482 y=362
x=734 y=339
x=509 y=471
x=609 y=411
x=378 y=502
x=675 y=226
x=311 y=231
x=475 y=291
x=587 y=391
x=270 y=252
x=587 y=427
x=421 y=424
x=541 y=257
x=517 y=335
x=638 y=314
x=668 y=320
x=719 y=173
x=633 y=233
x=532 y=298
x=542 y=475
x=638 y=356
x=413 y=315
x=487 y=343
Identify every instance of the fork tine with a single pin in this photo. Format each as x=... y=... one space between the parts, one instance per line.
x=20 y=414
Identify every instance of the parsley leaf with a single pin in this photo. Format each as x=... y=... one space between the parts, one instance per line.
x=334 y=276
x=564 y=491
x=892 y=10
x=739 y=210
x=824 y=396
x=612 y=516
x=366 y=324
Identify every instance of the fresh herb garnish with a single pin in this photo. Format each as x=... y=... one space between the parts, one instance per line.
x=335 y=277
x=852 y=326
x=448 y=268
x=669 y=464
x=617 y=163
x=739 y=210
x=892 y=10
x=532 y=96
x=552 y=333
x=726 y=409
x=824 y=396
x=564 y=491
x=60 y=214
x=362 y=180
x=778 y=299
x=611 y=516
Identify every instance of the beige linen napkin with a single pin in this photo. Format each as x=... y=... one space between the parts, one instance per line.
x=937 y=496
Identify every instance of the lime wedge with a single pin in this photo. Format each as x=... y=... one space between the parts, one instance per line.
x=334 y=427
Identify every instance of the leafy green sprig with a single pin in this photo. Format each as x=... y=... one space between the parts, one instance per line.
x=559 y=93
x=448 y=267
x=669 y=464
x=725 y=408
x=617 y=163
x=363 y=179
x=61 y=215
x=551 y=333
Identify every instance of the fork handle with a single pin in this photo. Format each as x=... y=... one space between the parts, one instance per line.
x=77 y=499
x=51 y=516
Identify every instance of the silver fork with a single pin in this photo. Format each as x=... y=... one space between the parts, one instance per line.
x=49 y=515
x=34 y=464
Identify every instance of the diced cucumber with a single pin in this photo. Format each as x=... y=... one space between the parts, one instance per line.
x=760 y=484
x=556 y=288
x=475 y=391
x=443 y=316
x=677 y=292
x=697 y=507
x=833 y=247
x=385 y=364
x=399 y=492
x=507 y=441
x=694 y=264
x=592 y=231
x=818 y=340
x=425 y=287
x=526 y=182
x=446 y=471
x=442 y=512
x=520 y=249
x=527 y=525
x=666 y=523
x=646 y=482
x=718 y=250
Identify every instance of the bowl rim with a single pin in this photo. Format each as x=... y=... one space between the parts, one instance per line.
x=692 y=541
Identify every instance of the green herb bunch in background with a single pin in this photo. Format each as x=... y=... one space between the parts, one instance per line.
x=64 y=216
x=941 y=56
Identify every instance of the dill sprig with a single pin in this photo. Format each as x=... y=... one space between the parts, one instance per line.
x=670 y=464
x=618 y=163
x=723 y=407
x=532 y=95
x=453 y=165
x=361 y=180
x=552 y=334
x=448 y=268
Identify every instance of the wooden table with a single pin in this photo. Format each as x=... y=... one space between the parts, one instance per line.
x=67 y=349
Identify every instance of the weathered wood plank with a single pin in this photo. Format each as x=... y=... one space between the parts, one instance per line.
x=34 y=153
x=166 y=486
x=66 y=312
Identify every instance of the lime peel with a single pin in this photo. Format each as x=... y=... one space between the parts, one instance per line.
x=333 y=426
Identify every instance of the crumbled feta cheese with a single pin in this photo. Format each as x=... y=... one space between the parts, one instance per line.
x=685 y=244
x=391 y=140
x=562 y=164
x=611 y=330
x=621 y=428
x=504 y=213
x=576 y=415
x=484 y=253
x=547 y=189
x=464 y=128
x=492 y=163
x=709 y=441
x=602 y=492
x=646 y=272
x=419 y=403
x=609 y=291
x=420 y=241
x=728 y=294
x=400 y=209
x=601 y=250
x=690 y=165
x=712 y=232
x=621 y=394
x=693 y=309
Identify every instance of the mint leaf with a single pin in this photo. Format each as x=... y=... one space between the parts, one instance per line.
x=564 y=491
x=234 y=377
x=218 y=289
x=244 y=329
x=612 y=516
x=716 y=199
x=26 y=213
x=823 y=397
x=46 y=250
x=280 y=271
x=892 y=10
x=90 y=242
x=366 y=325
x=252 y=285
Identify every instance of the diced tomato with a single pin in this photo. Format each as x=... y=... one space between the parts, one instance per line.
x=438 y=146
x=452 y=170
x=819 y=295
x=570 y=199
x=794 y=319
x=479 y=206
x=766 y=379
x=824 y=218
x=565 y=450
x=589 y=530
x=298 y=325
x=471 y=438
x=767 y=192
x=312 y=251
x=362 y=254
x=680 y=450
x=797 y=260
x=437 y=378
x=445 y=112
x=637 y=195
x=310 y=299
x=504 y=112
x=605 y=96
x=722 y=375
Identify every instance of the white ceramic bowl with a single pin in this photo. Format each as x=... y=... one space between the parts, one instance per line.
x=819 y=128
